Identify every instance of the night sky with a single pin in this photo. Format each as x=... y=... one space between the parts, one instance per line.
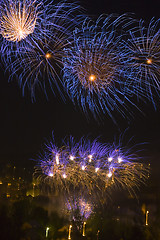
x=25 y=126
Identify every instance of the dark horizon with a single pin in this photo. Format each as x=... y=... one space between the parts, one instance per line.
x=25 y=126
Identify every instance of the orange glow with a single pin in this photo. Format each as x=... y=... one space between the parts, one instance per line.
x=69 y=235
x=84 y=228
x=147 y=218
x=92 y=77
x=21 y=34
x=149 y=61
x=18 y=20
x=48 y=55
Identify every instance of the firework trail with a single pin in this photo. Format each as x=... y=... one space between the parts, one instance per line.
x=21 y=22
x=78 y=208
x=78 y=211
x=34 y=34
x=18 y=19
x=89 y=167
x=38 y=66
x=93 y=75
x=141 y=55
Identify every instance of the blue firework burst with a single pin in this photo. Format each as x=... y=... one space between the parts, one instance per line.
x=32 y=44
x=141 y=55
x=90 y=167
x=21 y=21
x=38 y=65
x=93 y=75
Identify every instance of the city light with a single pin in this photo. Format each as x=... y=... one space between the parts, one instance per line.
x=47 y=231
x=84 y=229
x=147 y=213
x=69 y=234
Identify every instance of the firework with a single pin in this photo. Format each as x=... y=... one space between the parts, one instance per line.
x=21 y=21
x=38 y=65
x=141 y=54
x=34 y=34
x=21 y=18
x=67 y=166
x=18 y=19
x=79 y=209
x=92 y=67
x=90 y=167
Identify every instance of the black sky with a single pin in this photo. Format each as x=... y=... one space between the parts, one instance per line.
x=26 y=125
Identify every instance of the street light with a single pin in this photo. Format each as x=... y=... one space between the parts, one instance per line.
x=33 y=195
x=147 y=213
x=47 y=230
x=98 y=234
x=84 y=228
x=69 y=234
